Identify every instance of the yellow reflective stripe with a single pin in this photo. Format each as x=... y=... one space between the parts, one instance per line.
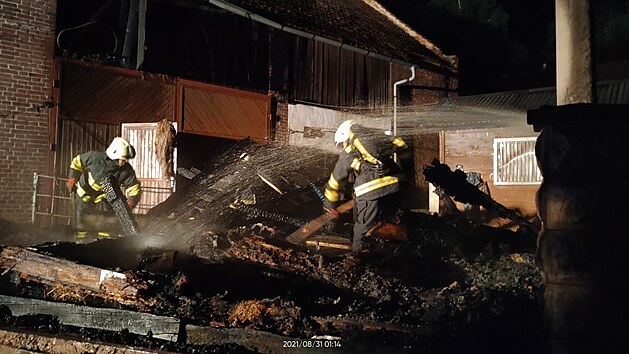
x=79 y=190
x=355 y=164
x=133 y=190
x=80 y=234
x=331 y=195
x=99 y=198
x=92 y=182
x=103 y=234
x=366 y=155
x=399 y=143
x=333 y=183
x=375 y=184
x=77 y=164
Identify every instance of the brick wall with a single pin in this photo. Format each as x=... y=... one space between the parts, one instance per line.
x=27 y=30
x=280 y=132
x=429 y=86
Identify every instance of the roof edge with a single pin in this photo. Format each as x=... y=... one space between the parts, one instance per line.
x=227 y=6
x=450 y=59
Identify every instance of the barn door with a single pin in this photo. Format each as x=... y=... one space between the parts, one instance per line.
x=155 y=187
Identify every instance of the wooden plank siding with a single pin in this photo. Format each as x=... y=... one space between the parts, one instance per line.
x=337 y=77
x=95 y=100
x=208 y=44
x=77 y=137
x=114 y=95
x=222 y=112
x=474 y=150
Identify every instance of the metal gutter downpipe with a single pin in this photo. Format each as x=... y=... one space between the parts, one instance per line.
x=395 y=85
x=395 y=88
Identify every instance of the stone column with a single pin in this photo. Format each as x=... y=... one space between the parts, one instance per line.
x=573 y=50
x=583 y=202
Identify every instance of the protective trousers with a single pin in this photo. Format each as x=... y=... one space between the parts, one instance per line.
x=365 y=217
x=91 y=218
x=368 y=212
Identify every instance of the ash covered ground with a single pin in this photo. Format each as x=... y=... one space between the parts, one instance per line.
x=453 y=285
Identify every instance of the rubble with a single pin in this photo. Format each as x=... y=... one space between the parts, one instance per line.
x=235 y=281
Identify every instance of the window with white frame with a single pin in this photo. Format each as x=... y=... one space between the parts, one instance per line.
x=515 y=162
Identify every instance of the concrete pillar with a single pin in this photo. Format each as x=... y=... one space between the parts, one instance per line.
x=574 y=53
x=583 y=203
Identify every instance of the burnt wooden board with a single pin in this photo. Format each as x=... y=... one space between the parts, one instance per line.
x=60 y=272
x=55 y=344
x=315 y=225
x=162 y=327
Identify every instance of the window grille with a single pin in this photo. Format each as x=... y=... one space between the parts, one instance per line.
x=515 y=162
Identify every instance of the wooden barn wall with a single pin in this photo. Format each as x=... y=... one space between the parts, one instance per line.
x=113 y=95
x=474 y=150
x=224 y=113
x=207 y=44
x=95 y=100
x=329 y=75
x=77 y=137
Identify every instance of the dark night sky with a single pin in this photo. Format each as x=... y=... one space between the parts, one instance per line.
x=509 y=44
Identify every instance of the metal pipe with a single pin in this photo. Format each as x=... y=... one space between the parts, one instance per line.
x=131 y=33
x=34 y=202
x=395 y=86
x=52 y=200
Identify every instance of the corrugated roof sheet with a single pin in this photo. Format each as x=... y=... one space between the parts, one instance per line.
x=364 y=24
x=609 y=92
x=489 y=111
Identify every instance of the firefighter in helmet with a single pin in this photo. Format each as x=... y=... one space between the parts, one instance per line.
x=366 y=162
x=88 y=170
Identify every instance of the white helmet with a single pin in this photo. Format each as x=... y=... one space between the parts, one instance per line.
x=343 y=132
x=120 y=149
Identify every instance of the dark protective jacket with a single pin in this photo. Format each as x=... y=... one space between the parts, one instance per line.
x=93 y=167
x=367 y=162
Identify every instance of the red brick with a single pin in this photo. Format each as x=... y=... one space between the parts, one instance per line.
x=24 y=81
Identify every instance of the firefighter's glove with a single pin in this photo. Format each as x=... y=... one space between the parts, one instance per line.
x=131 y=204
x=71 y=185
x=333 y=212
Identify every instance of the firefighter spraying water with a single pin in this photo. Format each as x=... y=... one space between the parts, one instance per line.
x=366 y=162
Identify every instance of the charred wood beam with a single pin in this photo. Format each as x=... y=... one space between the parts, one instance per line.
x=347 y=325
x=161 y=327
x=57 y=272
x=315 y=225
x=45 y=343
x=455 y=184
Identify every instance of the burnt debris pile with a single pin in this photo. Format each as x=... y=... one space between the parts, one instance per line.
x=454 y=183
x=211 y=271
